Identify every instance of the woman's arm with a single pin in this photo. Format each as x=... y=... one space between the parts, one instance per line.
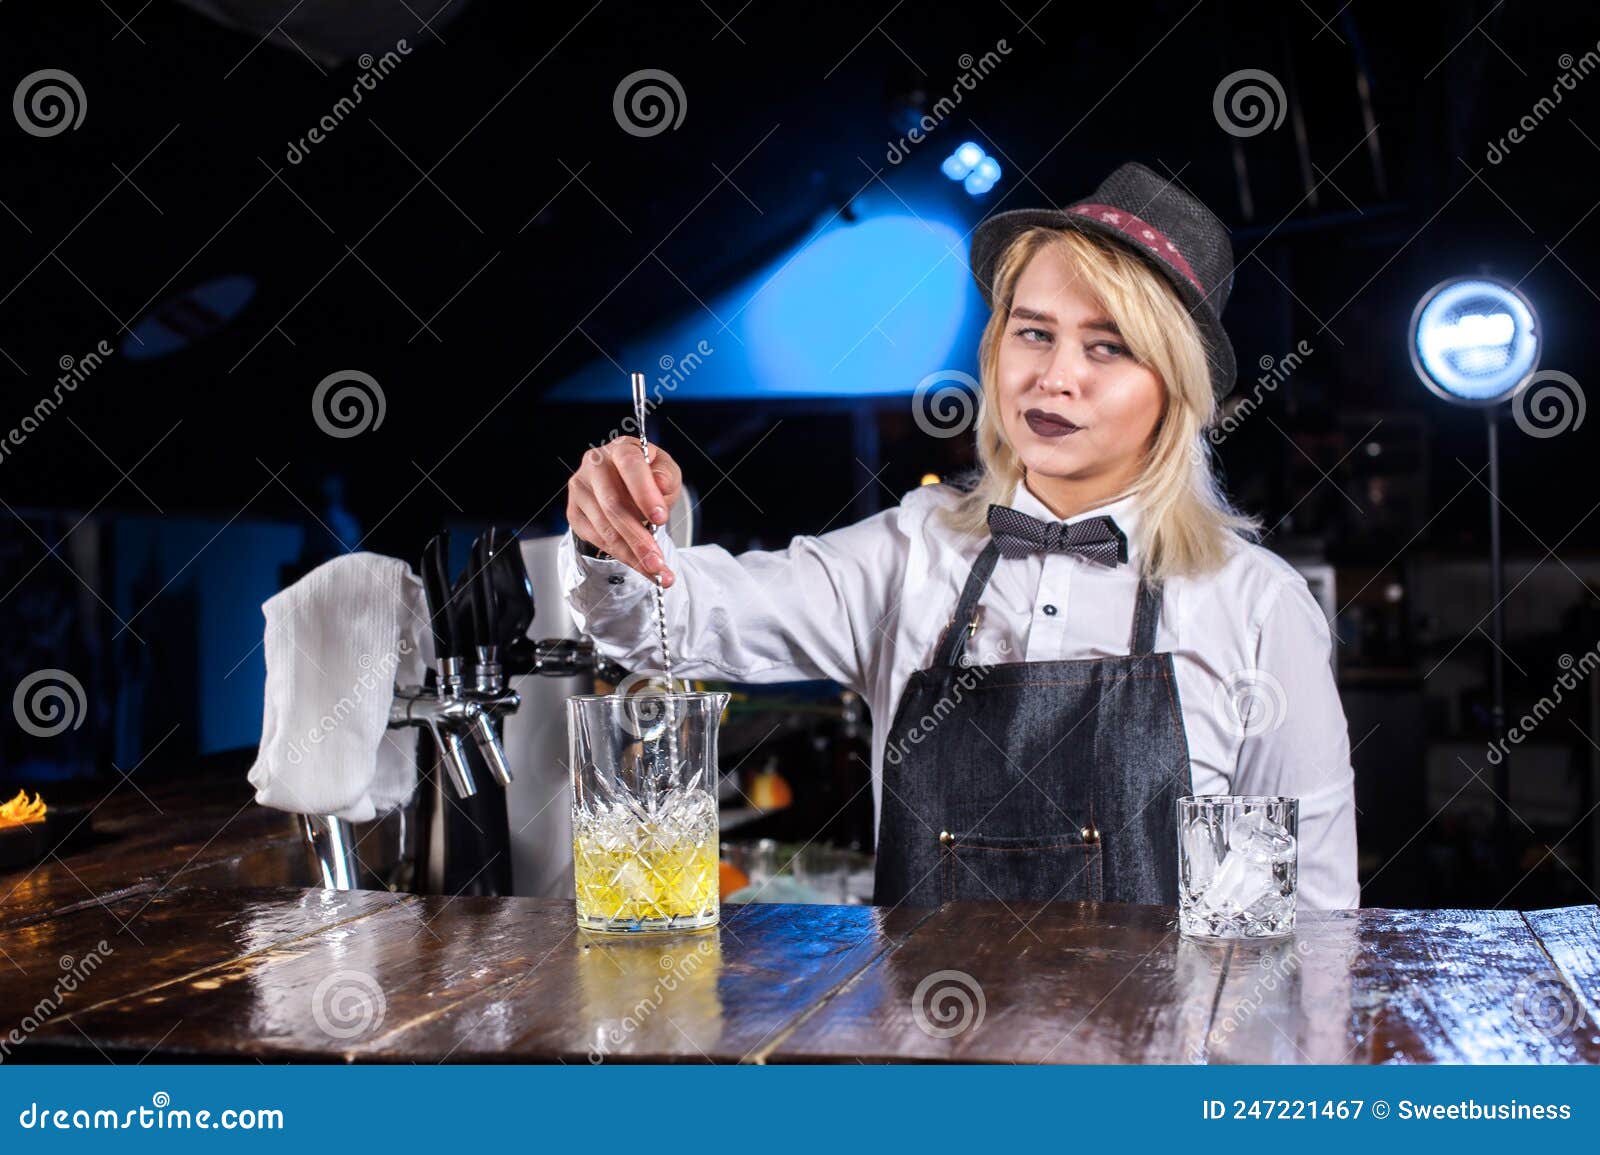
x=821 y=608
x=1303 y=746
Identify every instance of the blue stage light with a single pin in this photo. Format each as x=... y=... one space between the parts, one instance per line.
x=1474 y=340
x=962 y=161
x=861 y=308
x=983 y=177
x=976 y=170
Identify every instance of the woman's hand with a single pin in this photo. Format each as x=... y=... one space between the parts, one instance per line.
x=612 y=495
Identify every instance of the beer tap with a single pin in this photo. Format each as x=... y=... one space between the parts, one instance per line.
x=480 y=627
x=492 y=628
x=520 y=655
x=442 y=706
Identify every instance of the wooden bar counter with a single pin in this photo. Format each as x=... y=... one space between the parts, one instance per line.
x=193 y=935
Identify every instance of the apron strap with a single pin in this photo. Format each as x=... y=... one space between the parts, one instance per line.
x=1146 y=612
x=955 y=634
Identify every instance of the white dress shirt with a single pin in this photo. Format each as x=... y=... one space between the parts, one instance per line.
x=865 y=604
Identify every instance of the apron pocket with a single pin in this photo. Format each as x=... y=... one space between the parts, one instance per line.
x=1028 y=868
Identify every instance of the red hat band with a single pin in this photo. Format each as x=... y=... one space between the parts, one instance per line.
x=1141 y=232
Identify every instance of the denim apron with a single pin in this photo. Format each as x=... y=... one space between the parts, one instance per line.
x=1034 y=781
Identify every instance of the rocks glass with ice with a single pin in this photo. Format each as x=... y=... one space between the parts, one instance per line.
x=644 y=809
x=1237 y=859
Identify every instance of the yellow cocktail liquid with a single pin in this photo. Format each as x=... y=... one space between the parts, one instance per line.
x=646 y=876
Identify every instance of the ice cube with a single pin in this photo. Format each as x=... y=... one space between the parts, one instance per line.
x=1200 y=848
x=1258 y=838
x=1239 y=883
x=1270 y=906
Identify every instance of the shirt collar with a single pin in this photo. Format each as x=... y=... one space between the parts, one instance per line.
x=1124 y=511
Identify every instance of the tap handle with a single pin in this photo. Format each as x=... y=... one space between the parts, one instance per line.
x=436 y=587
x=513 y=590
x=485 y=616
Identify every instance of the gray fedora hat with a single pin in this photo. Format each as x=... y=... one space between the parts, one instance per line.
x=1156 y=218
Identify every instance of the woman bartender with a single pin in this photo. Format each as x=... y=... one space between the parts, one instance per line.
x=1060 y=646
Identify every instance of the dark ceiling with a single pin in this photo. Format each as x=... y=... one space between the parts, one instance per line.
x=480 y=226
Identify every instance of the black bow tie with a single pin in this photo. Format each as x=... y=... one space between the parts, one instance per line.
x=1096 y=538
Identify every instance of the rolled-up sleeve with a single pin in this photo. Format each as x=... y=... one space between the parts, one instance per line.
x=1302 y=746
x=817 y=609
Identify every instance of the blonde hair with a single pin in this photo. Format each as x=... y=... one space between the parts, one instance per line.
x=1186 y=524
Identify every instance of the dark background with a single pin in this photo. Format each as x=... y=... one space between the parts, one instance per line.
x=480 y=229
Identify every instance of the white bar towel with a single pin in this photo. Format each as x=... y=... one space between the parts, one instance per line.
x=337 y=641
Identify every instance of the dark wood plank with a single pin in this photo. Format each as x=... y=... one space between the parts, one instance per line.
x=150 y=954
x=1570 y=937
x=492 y=979
x=720 y=995
x=136 y=849
x=282 y=862
x=1060 y=983
x=1395 y=986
